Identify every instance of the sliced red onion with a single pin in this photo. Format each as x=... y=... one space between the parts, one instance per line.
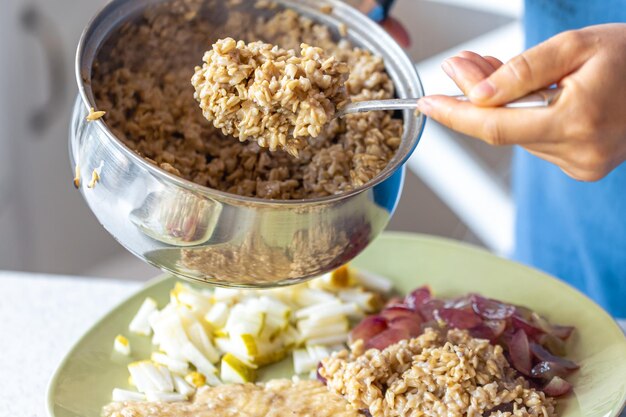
x=460 y=319
x=489 y=329
x=391 y=313
x=482 y=332
x=562 y=332
x=557 y=387
x=368 y=327
x=497 y=326
x=525 y=334
x=548 y=370
x=543 y=355
x=552 y=343
x=523 y=312
x=412 y=324
x=428 y=309
x=519 y=351
x=432 y=324
x=460 y=303
x=532 y=330
x=386 y=338
x=418 y=297
x=491 y=309
x=395 y=301
x=503 y=408
x=318 y=375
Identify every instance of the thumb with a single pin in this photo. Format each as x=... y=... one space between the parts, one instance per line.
x=538 y=67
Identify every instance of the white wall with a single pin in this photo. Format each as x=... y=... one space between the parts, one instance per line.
x=53 y=231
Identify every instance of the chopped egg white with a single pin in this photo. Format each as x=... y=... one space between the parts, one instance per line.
x=165 y=397
x=140 y=324
x=373 y=281
x=121 y=345
x=196 y=379
x=174 y=365
x=126 y=395
x=183 y=387
x=210 y=337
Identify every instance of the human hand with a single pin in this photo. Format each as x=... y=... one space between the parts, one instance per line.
x=391 y=25
x=583 y=132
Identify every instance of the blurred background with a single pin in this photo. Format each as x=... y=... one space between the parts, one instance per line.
x=456 y=187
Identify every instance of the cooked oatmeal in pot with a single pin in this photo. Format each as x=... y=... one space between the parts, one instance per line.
x=261 y=92
x=141 y=80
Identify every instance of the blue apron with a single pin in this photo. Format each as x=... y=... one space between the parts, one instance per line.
x=571 y=229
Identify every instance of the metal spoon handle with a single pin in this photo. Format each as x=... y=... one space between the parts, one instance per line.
x=541 y=98
x=373 y=105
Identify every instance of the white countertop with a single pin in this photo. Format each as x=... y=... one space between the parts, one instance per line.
x=41 y=316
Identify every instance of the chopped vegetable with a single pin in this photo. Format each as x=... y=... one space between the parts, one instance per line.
x=182 y=386
x=520 y=352
x=165 y=397
x=236 y=371
x=174 y=365
x=121 y=345
x=140 y=324
x=534 y=346
x=459 y=318
x=393 y=312
x=207 y=337
x=196 y=379
x=373 y=281
x=386 y=338
x=126 y=395
x=418 y=298
x=557 y=387
x=303 y=362
x=491 y=309
x=412 y=324
x=368 y=328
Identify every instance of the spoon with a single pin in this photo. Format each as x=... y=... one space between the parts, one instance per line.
x=541 y=98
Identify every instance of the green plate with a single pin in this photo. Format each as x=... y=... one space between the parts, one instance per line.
x=83 y=382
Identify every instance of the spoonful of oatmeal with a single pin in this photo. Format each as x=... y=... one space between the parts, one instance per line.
x=274 y=96
x=281 y=99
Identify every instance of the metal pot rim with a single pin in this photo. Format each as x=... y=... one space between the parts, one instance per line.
x=353 y=19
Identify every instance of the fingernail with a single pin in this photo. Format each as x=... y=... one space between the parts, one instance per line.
x=448 y=69
x=482 y=90
x=424 y=105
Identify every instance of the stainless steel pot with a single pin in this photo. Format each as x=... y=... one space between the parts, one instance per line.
x=207 y=235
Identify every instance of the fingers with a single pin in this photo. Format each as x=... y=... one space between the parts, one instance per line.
x=536 y=68
x=467 y=69
x=479 y=60
x=530 y=128
x=495 y=62
x=496 y=126
x=465 y=73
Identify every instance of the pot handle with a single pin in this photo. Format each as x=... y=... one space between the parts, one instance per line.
x=44 y=30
